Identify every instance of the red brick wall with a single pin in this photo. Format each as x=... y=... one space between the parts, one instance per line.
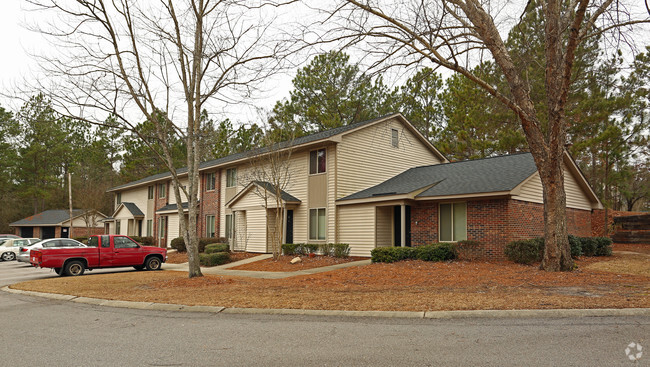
x=83 y=231
x=494 y=223
x=601 y=227
x=424 y=223
x=209 y=204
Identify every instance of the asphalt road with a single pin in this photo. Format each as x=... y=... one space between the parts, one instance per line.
x=39 y=331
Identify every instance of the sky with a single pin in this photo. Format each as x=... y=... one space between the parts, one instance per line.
x=16 y=64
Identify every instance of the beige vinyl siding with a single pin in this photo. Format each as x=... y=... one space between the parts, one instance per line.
x=171 y=196
x=367 y=157
x=256 y=230
x=575 y=197
x=357 y=228
x=384 y=225
x=172 y=228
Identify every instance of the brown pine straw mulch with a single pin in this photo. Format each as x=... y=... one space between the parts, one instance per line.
x=283 y=263
x=407 y=286
x=643 y=248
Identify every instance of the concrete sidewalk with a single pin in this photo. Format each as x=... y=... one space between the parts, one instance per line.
x=224 y=269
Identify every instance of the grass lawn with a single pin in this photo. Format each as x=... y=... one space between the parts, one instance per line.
x=619 y=281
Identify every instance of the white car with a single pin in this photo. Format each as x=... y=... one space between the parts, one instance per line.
x=10 y=247
x=23 y=252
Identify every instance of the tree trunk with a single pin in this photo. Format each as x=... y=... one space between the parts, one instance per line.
x=557 y=252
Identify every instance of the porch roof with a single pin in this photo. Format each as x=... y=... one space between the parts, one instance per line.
x=270 y=188
x=488 y=175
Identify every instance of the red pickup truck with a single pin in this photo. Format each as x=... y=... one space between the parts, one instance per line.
x=103 y=251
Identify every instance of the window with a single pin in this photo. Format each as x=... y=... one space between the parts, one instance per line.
x=118 y=198
x=93 y=241
x=69 y=243
x=118 y=225
x=149 y=227
x=317 y=162
x=150 y=192
x=395 y=138
x=210 y=181
x=124 y=242
x=209 y=226
x=230 y=219
x=231 y=177
x=317 y=224
x=453 y=222
x=161 y=191
x=161 y=227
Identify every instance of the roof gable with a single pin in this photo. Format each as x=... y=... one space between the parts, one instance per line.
x=263 y=186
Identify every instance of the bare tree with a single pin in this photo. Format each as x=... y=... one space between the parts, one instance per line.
x=454 y=34
x=270 y=175
x=164 y=61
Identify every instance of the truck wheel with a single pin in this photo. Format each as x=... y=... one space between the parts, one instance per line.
x=153 y=263
x=74 y=268
x=8 y=256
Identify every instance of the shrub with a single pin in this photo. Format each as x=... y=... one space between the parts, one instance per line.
x=603 y=246
x=437 y=252
x=309 y=248
x=178 y=244
x=217 y=258
x=143 y=241
x=589 y=245
x=216 y=247
x=525 y=251
x=290 y=249
x=576 y=246
x=327 y=249
x=341 y=250
x=392 y=254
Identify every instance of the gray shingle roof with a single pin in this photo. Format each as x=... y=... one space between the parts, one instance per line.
x=133 y=209
x=47 y=218
x=271 y=188
x=169 y=207
x=237 y=156
x=495 y=174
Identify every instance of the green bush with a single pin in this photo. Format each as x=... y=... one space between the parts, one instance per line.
x=309 y=248
x=341 y=250
x=469 y=243
x=217 y=258
x=178 y=244
x=327 y=249
x=143 y=241
x=525 y=251
x=589 y=245
x=216 y=247
x=291 y=249
x=437 y=252
x=576 y=246
x=603 y=246
x=392 y=254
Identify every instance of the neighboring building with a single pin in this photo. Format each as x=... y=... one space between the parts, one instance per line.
x=374 y=183
x=56 y=224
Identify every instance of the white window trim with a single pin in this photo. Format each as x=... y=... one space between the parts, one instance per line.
x=394 y=144
x=208 y=181
x=452 y=220
x=207 y=225
x=309 y=224
x=164 y=191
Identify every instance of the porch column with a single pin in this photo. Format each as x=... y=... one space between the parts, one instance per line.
x=403 y=224
x=284 y=227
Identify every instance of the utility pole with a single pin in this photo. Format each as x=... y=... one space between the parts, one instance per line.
x=70 y=202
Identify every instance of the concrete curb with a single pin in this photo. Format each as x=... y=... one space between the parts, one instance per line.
x=493 y=314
